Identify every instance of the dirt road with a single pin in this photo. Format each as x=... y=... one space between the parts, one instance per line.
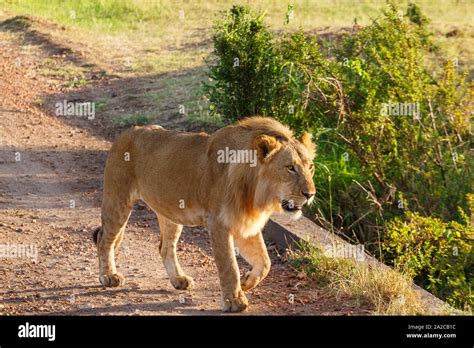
x=50 y=191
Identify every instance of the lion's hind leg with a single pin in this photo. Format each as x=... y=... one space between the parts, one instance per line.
x=169 y=235
x=115 y=212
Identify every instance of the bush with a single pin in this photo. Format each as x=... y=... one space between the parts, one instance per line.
x=340 y=94
x=245 y=77
x=422 y=157
x=439 y=255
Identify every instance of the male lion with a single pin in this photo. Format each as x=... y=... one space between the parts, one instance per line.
x=181 y=177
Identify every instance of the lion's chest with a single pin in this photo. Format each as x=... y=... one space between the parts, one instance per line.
x=247 y=226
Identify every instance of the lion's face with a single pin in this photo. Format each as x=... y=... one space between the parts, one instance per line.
x=296 y=180
x=287 y=172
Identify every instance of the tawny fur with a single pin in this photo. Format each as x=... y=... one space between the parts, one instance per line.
x=178 y=176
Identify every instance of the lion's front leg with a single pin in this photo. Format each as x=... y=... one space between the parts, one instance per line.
x=254 y=251
x=234 y=299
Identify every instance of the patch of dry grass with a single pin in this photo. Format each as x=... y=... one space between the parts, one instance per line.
x=383 y=290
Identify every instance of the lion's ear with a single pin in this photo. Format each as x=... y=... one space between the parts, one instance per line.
x=306 y=140
x=266 y=146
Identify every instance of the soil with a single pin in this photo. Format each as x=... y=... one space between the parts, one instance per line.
x=50 y=192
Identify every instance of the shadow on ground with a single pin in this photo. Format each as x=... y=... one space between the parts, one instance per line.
x=159 y=97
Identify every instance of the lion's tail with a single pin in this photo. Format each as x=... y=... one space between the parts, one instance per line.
x=97 y=235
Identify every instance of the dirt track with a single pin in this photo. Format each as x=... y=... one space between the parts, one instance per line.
x=50 y=191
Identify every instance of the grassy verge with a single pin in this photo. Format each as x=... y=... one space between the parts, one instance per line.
x=384 y=291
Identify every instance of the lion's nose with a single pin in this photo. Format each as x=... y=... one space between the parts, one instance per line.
x=308 y=195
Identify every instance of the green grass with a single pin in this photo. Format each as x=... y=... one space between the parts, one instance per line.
x=64 y=72
x=137 y=119
x=173 y=60
x=109 y=15
x=75 y=83
x=200 y=115
x=100 y=104
x=160 y=36
x=174 y=92
x=120 y=15
x=70 y=75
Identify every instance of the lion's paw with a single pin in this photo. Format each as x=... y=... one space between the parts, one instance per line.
x=182 y=282
x=112 y=280
x=249 y=281
x=235 y=304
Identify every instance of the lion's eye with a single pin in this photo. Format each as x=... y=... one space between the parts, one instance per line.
x=291 y=169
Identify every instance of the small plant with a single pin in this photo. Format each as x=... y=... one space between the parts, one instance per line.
x=38 y=102
x=415 y=15
x=100 y=104
x=137 y=119
x=75 y=83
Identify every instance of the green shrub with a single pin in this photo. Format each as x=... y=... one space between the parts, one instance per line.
x=439 y=255
x=243 y=81
x=423 y=157
x=339 y=94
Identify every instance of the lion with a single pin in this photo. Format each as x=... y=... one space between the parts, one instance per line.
x=185 y=180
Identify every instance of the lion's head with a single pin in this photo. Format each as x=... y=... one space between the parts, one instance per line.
x=285 y=175
x=281 y=180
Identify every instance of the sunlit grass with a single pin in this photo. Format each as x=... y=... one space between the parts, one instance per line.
x=113 y=15
x=165 y=36
x=383 y=291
